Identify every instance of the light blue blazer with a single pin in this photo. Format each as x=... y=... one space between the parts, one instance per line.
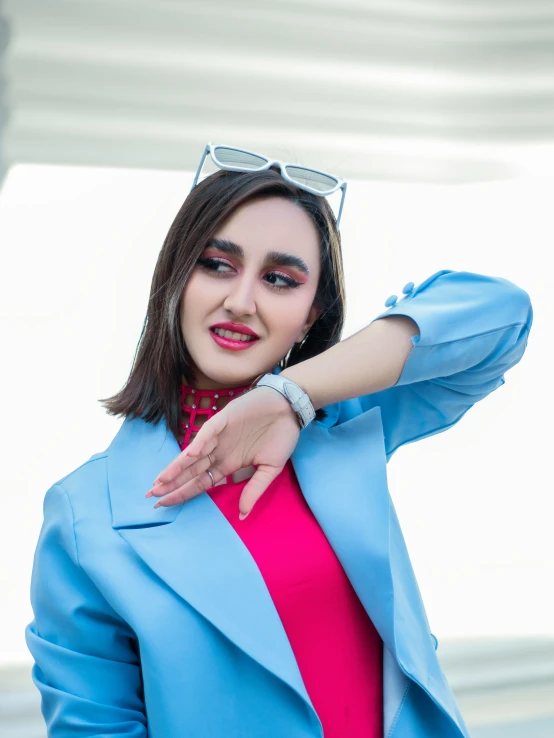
x=158 y=622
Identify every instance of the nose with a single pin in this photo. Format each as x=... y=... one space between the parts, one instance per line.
x=240 y=299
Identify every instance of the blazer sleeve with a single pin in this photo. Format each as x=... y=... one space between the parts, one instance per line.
x=87 y=666
x=473 y=328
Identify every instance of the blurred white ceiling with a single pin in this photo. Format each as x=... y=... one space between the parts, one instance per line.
x=413 y=90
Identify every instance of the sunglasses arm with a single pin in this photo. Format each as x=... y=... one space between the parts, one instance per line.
x=343 y=188
x=202 y=160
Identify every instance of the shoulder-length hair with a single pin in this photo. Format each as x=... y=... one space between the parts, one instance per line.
x=152 y=390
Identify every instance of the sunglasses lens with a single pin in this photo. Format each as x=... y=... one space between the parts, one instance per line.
x=316 y=180
x=243 y=159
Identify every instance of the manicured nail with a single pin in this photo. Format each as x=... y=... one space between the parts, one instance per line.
x=243 y=515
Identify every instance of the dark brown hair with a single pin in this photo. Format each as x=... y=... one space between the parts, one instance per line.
x=161 y=360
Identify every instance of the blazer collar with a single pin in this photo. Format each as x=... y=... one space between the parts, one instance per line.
x=341 y=470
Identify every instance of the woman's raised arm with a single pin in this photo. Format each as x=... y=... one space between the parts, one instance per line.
x=429 y=358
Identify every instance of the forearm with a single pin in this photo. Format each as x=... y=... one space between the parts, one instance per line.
x=369 y=361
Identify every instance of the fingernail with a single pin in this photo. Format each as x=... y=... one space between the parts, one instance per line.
x=243 y=515
x=158 y=504
x=149 y=493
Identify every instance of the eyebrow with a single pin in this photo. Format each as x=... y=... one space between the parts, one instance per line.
x=279 y=258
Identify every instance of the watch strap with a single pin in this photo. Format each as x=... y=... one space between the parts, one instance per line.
x=298 y=398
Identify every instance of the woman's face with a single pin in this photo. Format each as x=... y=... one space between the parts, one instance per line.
x=260 y=270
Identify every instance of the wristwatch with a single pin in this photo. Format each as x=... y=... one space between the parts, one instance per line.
x=298 y=398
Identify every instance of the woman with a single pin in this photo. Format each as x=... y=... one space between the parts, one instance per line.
x=302 y=619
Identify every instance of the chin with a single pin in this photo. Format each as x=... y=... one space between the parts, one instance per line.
x=226 y=379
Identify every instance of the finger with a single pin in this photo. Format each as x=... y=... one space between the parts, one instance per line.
x=196 y=486
x=257 y=485
x=205 y=440
x=180 y=471
x=163 y=488
x=177 y=467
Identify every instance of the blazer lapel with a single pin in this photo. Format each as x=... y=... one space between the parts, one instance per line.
x=343 y=478
x=342 y=471
x=195 y=551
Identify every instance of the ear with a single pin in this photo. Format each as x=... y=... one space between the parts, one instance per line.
x=313 y=315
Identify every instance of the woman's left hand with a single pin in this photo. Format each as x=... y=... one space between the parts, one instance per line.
x=258 y=428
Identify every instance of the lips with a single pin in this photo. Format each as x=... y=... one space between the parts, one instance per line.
x=229 y=343
x=235 y=328
x=235 y=335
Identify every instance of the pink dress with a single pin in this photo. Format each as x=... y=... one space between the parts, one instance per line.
x=337 y=648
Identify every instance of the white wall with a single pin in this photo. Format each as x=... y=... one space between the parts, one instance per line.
x=78 y=248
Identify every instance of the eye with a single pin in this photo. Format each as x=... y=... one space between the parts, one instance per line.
x=289 y=282
x=212 y=265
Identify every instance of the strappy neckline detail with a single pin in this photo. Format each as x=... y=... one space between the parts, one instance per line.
x=191 y=412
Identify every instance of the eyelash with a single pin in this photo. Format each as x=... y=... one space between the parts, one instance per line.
x=210 y=262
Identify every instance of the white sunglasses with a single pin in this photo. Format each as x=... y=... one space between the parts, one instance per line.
x=239 y=160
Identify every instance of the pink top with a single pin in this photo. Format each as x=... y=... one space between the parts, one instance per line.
x=338 y=650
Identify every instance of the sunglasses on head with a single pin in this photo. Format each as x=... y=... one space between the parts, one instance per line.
x=240 y=160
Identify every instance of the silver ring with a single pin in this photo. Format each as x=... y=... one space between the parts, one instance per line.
x=212 y=477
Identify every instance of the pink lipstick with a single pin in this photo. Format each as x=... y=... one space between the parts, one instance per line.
x=228 y=343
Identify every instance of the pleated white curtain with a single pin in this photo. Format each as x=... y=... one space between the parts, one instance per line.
x=405 y=90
